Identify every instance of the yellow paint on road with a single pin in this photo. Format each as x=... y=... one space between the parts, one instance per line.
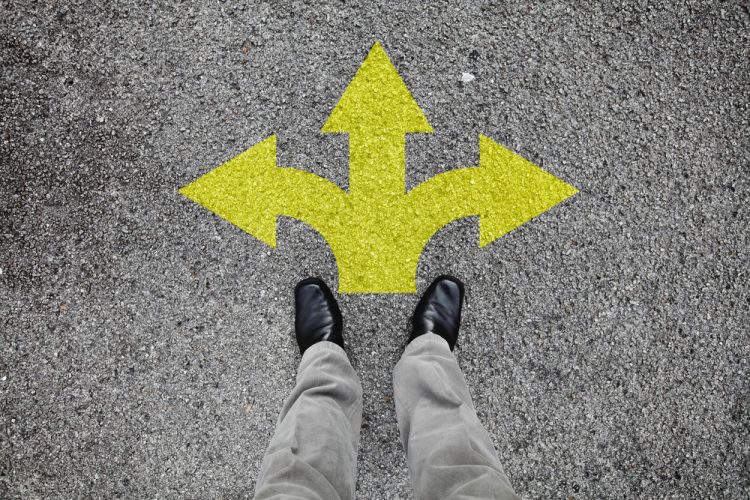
x=377 y=231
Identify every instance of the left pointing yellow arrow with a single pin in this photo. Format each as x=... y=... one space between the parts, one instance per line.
x=250 y=191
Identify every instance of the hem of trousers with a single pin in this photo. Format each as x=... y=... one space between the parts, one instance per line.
x=425 y=339
x=323 y=345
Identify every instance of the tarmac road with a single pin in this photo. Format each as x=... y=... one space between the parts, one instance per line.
x=146 y=345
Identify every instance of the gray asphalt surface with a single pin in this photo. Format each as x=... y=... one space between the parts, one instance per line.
x=147 y=346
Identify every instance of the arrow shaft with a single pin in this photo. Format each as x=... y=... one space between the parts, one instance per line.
x=308 y=197
x=377 y=165
x=446 y=197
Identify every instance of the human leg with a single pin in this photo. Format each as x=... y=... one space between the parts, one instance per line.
x=313 y=451
x=449 y=453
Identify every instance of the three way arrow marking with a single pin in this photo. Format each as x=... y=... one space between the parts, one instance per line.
x=377 y=230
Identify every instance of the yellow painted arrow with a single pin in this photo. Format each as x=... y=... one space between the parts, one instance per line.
x=377 y=111
x=376 y=230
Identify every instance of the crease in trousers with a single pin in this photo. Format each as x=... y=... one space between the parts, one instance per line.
x=313 y=452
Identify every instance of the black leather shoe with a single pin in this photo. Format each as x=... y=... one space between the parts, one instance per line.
x=317 y=315
x=439 y=310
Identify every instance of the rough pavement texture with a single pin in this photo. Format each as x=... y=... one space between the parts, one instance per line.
x=147 y=345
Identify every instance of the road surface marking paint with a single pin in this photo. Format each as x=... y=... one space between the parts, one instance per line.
x=377 y=230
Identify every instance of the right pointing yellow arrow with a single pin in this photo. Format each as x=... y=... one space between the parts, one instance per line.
x=377 y=231
x=517 y=191
x=506 y=190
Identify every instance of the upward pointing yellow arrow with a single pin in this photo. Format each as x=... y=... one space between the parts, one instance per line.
x=376 y=230
x=377 y=111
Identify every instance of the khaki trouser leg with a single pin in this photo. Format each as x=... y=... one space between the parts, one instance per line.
x=313 y=452
x=448 y=451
